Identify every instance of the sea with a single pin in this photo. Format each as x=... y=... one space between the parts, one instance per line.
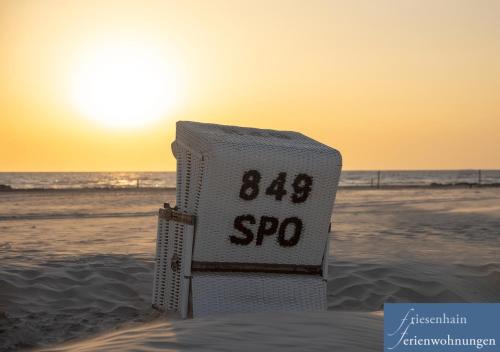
x=104 y=180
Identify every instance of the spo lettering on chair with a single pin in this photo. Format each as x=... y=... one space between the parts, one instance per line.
x=250 y=229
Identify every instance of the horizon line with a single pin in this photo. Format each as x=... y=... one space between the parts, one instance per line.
x=173 y=171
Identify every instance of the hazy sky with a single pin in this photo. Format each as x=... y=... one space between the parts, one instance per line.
x=391 y=84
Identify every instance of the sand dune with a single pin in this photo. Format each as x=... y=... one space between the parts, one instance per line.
x=69 y=299
x=66 y=299
x=320 y=331
x=74 y=277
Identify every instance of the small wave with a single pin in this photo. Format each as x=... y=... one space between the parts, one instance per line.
x=83 y=188
x=159 y=180
x=5 y=245
x=55 y=216
x=79 y=188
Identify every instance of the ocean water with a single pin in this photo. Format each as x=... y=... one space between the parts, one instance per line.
x=81 y=180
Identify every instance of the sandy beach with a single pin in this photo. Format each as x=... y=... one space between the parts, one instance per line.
x=76 y=271
x=258 y=117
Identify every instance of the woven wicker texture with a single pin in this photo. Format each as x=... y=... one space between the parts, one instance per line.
x=213 y=160
x=235 y=293
x=161 y=265
x=259 y=197
x=172 y=266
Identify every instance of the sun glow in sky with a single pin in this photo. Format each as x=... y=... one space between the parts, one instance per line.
x=89 y=85
x=123 y=86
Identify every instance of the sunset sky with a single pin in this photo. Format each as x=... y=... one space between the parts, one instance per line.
x=98 y=85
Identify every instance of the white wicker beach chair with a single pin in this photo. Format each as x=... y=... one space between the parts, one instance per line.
x=250 y=228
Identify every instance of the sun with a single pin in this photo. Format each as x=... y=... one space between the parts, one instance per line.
x=124 y=85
